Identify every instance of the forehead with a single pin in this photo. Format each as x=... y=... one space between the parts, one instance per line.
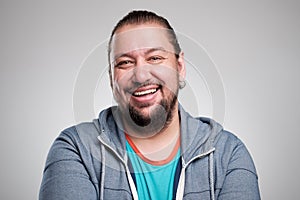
x=131 y=38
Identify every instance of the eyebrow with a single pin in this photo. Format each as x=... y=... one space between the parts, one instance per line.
x=148 y=51
x=156 y=49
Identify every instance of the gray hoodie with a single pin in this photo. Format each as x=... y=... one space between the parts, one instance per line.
x=89 y=161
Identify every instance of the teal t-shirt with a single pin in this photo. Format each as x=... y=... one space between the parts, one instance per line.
x=153 y=181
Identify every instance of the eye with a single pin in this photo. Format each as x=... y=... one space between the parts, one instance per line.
x=155 y=59
x=124 y=63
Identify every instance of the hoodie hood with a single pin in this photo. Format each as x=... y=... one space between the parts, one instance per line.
x=200 y=132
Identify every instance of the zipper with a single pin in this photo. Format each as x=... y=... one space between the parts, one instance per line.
x=130 y=179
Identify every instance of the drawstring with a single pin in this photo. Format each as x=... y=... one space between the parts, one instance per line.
x=102 y=173
x=211 y=175
x=101 y=192
x=102 y=176
x=181 y=183
x=131 y=182
x=132 y=185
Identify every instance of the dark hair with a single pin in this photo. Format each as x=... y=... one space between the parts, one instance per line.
x=140 y=17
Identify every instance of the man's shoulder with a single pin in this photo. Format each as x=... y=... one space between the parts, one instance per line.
x=228 y=136
x=81 y=131
x=92 y=126
x=216 y=130
x=220 y=136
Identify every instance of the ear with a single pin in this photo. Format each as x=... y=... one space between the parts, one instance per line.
x=110 y=74
x=181 y=66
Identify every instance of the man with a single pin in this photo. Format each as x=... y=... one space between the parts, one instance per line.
x=147 y=147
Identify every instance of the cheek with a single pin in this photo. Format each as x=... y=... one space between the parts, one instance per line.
x=119 y=78
x=166 y=74
x=169 y=77
x=121 y=83
x=116 y=84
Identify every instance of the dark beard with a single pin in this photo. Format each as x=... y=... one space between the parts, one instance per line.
x=159 y=117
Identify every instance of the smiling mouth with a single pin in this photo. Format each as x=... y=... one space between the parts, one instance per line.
x=143 y=92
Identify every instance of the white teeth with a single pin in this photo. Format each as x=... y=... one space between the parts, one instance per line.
x=144 y=92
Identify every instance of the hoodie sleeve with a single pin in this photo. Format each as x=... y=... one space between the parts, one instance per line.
x=241 y=181
x=65 y=176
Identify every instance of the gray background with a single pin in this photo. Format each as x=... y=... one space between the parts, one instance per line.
x=255 y=45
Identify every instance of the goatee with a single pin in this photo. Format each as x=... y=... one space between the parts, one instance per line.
x=157 y=120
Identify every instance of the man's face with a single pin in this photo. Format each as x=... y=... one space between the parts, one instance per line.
x=145 y=75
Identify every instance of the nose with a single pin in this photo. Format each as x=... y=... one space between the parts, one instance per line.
x=141 y=72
